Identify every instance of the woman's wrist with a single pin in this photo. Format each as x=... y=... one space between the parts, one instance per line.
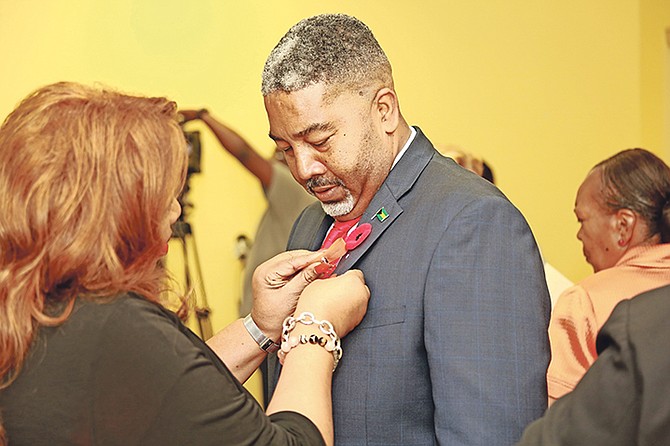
x=305 y=330
x=268 y=324
x=265 y=342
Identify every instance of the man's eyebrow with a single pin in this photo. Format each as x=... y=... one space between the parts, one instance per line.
x=316 y=127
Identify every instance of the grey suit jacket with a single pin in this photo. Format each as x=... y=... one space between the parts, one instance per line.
x=623 y=398
x=453 y=348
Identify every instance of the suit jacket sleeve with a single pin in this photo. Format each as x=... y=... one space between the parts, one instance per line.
x=622 y=399
x=596 y=411
x=486 y=317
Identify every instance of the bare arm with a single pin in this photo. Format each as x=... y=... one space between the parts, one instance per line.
x=237 y=350
x=305 y=383
x=277 y=285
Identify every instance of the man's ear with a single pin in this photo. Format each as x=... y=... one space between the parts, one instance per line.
x=387 y=108
x=626 y=221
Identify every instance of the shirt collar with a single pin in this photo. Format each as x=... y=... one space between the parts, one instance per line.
x=405 y=147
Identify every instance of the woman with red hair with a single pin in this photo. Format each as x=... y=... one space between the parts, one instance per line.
x=89 y=180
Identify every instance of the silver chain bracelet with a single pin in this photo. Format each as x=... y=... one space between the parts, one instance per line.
x=332 y=344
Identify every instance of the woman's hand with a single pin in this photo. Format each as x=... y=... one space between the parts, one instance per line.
x=277 y=285
x=305 y=382
x=190 y=115
x=342 y=300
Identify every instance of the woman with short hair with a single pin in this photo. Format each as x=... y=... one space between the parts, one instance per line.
x=623 y=208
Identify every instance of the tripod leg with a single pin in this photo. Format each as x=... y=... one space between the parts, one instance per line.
x=202 y=311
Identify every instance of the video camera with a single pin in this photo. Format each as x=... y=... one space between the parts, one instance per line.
x=194 y=151
x=181 y=227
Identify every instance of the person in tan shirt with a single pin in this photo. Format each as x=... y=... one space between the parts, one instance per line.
x=624 y=212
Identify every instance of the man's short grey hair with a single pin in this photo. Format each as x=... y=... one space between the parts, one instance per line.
x=335 y=49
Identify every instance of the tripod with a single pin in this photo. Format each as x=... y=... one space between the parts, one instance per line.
x=183 y=231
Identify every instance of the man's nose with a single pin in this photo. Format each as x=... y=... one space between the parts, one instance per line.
x=307 y=165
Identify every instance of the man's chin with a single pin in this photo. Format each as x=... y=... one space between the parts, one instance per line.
x=338 y=208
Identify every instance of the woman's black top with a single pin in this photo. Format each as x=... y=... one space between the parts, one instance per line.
x=128 y=372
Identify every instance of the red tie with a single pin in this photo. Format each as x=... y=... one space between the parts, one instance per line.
x=339 y=230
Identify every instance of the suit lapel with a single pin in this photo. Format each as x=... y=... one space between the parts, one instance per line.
x=385 y=201
x=399 y=181
x=320 y=234
x=313 y=217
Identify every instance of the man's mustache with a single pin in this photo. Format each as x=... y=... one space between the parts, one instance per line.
x=322 y=181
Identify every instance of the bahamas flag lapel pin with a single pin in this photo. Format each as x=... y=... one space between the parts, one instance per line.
x=382 y=214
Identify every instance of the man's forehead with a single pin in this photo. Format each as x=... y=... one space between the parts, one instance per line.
x=315 y=92
x=300 y=114
x=315 y=96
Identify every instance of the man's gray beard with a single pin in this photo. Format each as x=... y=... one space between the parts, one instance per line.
x=334 y=209
x=342 y=207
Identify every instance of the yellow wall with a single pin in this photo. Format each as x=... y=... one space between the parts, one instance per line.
x=655 y=79
x=543 y=90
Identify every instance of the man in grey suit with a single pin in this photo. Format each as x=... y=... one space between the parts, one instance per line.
x=453 y=349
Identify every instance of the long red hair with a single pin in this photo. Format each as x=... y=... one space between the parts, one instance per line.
x=87 y=176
